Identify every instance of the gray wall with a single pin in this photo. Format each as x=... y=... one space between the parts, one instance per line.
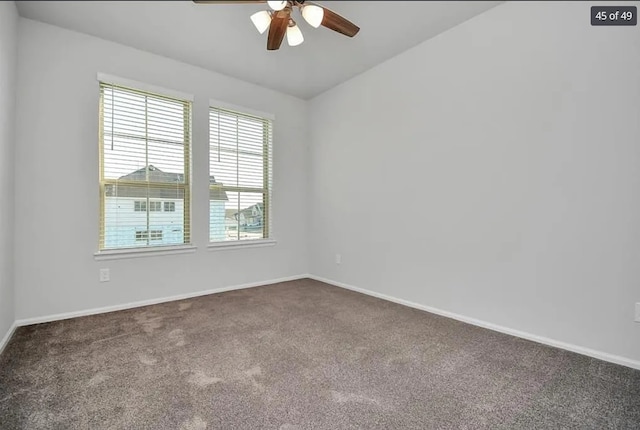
x=8 y=78
x=58 y=150
x=494 y=172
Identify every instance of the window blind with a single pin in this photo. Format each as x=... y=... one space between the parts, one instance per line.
x=145 y=144
x=240 y=166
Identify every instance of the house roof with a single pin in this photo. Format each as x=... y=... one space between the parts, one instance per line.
x=155 y=175
x=232 y=212
x=167 y=189
x=249 y=210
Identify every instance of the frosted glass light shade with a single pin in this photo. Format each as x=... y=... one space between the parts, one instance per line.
x=294 y=36
x=277 y=4
x=261 y=20
x=313 y=15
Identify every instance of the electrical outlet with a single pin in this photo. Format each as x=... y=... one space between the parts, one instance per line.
x=104 y=275
x=338 y=259
x=637 y=319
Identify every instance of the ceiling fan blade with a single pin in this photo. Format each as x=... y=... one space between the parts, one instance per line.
x=228 y=1
x=278 y=28
x=337 y=23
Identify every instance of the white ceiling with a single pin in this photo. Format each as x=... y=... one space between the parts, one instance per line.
x=222 y=38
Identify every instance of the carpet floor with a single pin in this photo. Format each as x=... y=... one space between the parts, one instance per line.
x=300 y=355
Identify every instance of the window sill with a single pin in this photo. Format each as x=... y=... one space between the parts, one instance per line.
x=116 y=254
x=241 y=244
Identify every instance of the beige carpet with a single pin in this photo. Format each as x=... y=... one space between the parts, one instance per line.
x=300 y=355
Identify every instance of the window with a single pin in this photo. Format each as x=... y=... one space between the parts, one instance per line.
x=147 y=235
x=240 y=175
x=169 y=206
x=145 y=144
x=142 y=235
x=140 y=206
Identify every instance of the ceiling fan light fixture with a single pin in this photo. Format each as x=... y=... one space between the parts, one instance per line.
x=261 y=20
x=277 y=18
x=294 y=35
x=277 y=4
x=313 y=15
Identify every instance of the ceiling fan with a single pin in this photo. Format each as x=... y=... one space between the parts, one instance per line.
x=279 y=21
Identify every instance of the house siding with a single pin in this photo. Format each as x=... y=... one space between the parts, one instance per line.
x=123 y=225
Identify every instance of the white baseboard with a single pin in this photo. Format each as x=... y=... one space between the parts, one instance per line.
x=102 y=310
x=635 y=364
x=7 y=336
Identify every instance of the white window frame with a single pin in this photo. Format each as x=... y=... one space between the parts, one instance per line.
x=255 y=243
x=135 y=252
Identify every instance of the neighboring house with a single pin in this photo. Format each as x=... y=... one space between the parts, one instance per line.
x=141 y=215
x=251 y=217
x=246 y=223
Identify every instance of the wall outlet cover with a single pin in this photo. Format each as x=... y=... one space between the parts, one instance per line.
x=104 y=275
